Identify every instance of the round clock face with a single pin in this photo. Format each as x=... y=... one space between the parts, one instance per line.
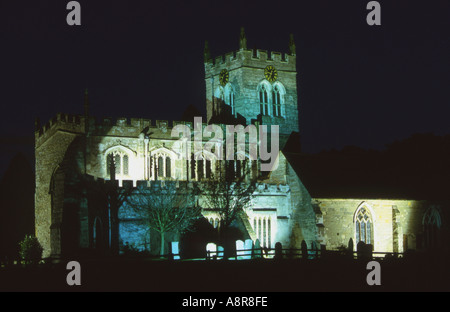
x=223 y=77
x=270 y=73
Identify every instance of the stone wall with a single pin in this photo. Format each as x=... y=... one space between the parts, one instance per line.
x=302 y=224
x=393 y=221
x=246 y=72
x=49 y=154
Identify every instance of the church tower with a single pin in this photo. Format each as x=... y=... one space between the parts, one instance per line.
x=253 y=85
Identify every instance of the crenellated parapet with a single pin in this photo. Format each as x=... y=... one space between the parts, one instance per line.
x=257 y=54
x=108 y=126
x=262 y=188
x=257 y=58
x=63 y=122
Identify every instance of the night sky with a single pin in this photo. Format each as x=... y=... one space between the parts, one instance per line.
x=358 y=84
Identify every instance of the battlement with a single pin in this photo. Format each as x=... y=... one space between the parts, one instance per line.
x=69 y=123
x=265 y=55
x=261 y=188
x=224 y=58
x=58 y=119
x=121 y=126
x=254 y=54
x=141 y=123
x=129 y=184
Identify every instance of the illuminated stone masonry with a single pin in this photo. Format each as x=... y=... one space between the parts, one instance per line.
x=389 y=225
x=142 y=152
x=73 y=155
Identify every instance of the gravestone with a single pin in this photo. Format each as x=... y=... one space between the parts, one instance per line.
x=220 y=252
x=314 y=250
x=278 y=250
x=257 y=250
x=211 y=251
x=248 y=245
x=361 y=250
x=175 y=251
x=350 y=248
x=239 y=250
x=304 y=248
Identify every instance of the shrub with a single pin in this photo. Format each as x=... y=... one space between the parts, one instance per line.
x=30 y=250
x=132 y=250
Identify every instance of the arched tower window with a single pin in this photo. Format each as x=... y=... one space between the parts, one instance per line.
x=276 y=98
x=264 y=99
x=229 y=98
x=278 y=93
x=364 y=226
x=220 y=93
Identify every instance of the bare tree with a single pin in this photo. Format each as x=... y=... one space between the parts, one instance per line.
x=229 y=192
x=166 y=206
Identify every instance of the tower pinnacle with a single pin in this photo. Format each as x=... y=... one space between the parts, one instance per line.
x=291 y=45
x=243 y=40
x=206 y=52
x=86 y=102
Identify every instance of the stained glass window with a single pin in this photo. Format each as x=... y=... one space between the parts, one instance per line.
x=125 y=164
x=363 y=227
x=264 y=105
x=168 y=167
x=160 y=166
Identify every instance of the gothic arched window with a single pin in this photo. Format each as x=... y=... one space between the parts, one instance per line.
x=161 y=163
x=216 y=223
x=263 y=100
x=276 y=99
x=208 y=169
x=168 y=167
x=231 y=101
x=160 y=166
x=220 y=93
x=121 y=163
x=229 y=97
x=125 y=164
x=200 y=172
x=201 y=166
x=431 y=226
x=364 y=226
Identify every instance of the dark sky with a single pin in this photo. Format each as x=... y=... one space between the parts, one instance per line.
x=358 y=84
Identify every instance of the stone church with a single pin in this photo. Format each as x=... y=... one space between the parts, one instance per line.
x=247 y=86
